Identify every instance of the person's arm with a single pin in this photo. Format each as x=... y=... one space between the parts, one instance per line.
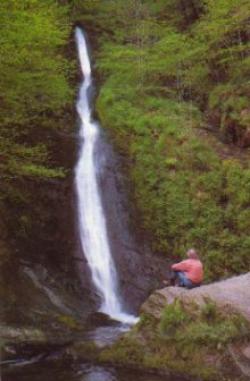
x=181 y=266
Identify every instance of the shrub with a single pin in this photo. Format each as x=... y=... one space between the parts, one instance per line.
x=173 y=318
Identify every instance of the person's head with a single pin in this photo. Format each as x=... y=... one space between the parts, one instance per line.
x=192 y=254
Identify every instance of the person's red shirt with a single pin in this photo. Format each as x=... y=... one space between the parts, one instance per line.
x=193 y=269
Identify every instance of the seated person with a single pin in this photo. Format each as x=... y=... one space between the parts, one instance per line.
x=189 y=273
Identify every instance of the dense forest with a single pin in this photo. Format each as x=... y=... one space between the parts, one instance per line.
x=173 y=94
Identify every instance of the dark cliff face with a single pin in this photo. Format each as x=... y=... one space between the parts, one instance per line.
x=45 y=273
x=139 y=271
x=40 y=277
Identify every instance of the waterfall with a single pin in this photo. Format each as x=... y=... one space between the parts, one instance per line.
x=91 y=218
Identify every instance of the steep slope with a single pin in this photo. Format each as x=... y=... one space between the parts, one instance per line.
x=170 y=74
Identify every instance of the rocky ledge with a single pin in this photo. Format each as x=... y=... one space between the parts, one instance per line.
x=231 y=295
x=201 y=334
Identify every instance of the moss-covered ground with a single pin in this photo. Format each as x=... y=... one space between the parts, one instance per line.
x=191 y=342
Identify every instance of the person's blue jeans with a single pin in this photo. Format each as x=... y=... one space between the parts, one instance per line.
x=183 y=281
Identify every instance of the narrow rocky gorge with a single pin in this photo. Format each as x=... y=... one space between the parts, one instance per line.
x=97 y=204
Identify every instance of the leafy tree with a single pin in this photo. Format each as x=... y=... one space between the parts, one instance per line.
x=34 y=82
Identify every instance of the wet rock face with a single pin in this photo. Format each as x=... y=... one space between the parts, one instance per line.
x=44 y=273
x=139 y=271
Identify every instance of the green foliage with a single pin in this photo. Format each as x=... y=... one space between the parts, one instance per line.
x=182 y=341
x=209 y=311
x=214 y=333
x=34 y=83
x=166 y=69
x=34 y=78
x=36 y=98
x=207 y=326
x=146 y=320
x=127 y=351
x=169 y=69
x=173 y=318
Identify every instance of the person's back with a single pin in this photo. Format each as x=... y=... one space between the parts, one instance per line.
x=190 y=271
x=193 y=269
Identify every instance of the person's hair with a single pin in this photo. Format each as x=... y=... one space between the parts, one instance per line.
x=193 y=254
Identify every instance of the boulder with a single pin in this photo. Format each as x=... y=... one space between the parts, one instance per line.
x=231 y=295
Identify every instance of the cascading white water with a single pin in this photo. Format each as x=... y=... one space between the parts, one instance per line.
x=92 y=223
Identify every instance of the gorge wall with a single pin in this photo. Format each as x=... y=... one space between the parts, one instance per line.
x=168 y=74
